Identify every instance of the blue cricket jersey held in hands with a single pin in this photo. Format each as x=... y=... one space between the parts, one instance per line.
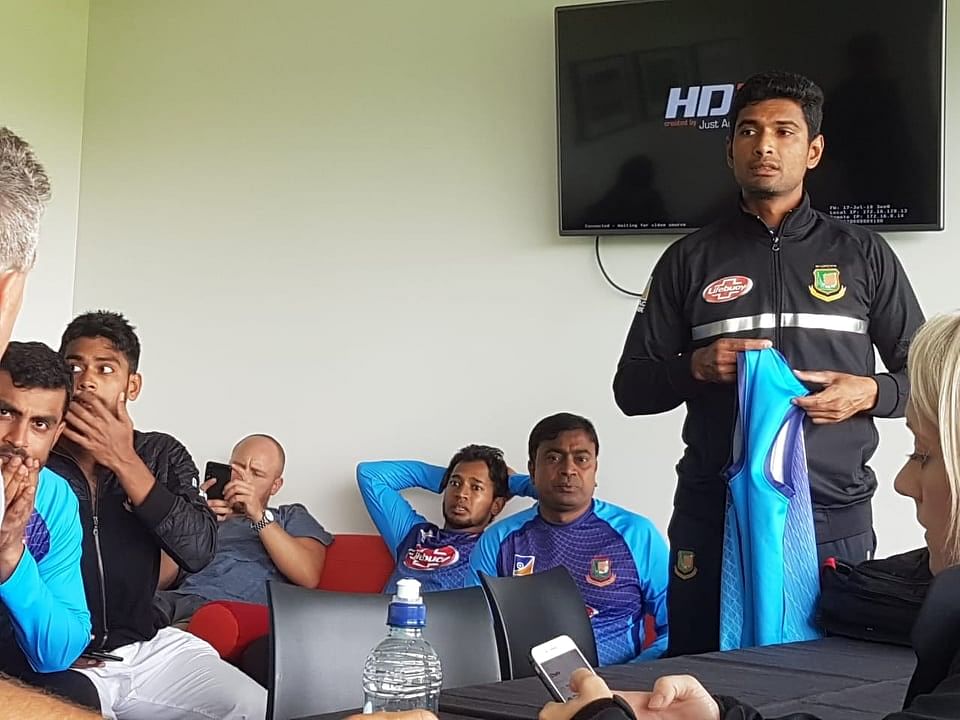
x=770 y=579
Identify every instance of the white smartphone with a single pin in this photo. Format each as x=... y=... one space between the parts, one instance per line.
x=555 y=661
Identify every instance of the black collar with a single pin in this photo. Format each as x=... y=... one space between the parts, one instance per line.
x=796 y=224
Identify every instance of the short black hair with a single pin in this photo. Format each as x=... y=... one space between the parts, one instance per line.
x=112 y=326
x=777 y=86
x=496 y=465
x=35 y=365
x=550 y=428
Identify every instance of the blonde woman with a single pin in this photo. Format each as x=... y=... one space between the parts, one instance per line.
x=931 y=477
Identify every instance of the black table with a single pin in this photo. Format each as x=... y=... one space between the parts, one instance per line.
x=835 y=678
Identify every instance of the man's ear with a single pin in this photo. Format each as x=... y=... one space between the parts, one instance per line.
x=730 y=151
x=277 y=484
x=59 y=431
x=497 y=506
x=134 y=386
x=815 y=151
x=530 y=471
x=12 y=284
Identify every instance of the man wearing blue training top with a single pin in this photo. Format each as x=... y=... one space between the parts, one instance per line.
x=475 y=486
x=617 y=558
x=44 y=622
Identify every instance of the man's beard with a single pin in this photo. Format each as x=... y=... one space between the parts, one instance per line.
x=760 y=193
x=457 y=523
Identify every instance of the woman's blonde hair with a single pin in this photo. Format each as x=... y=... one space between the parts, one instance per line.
x=934 y=369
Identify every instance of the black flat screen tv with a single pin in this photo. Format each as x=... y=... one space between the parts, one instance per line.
x=643 y=88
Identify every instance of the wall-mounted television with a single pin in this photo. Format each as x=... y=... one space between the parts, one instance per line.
x=643 y=88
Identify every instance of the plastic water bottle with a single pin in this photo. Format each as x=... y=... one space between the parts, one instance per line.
x=403 y=672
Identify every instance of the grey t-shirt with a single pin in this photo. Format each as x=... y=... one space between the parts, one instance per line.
x=241 y=568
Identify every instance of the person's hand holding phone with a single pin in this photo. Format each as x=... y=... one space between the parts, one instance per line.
x=220 y=508
x=217 y=476
x=241 y=495
x=587 y=687
x=674 y=697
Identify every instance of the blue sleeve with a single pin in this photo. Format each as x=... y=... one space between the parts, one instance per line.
x=46 y=600
x=522 y=486
x=652 y=559
x=380 y=485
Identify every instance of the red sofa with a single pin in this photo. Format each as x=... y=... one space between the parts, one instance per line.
x=354 y=563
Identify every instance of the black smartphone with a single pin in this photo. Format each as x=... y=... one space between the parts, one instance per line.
x=220 y=472
x=97 y=655
x=554 y=662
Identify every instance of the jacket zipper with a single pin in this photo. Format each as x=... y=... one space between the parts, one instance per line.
x=777 y=284
x=103 y=582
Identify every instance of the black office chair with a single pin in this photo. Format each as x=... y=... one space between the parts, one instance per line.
x=320 y=640
x=532 y=609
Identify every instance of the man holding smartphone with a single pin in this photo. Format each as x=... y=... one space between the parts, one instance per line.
x=257 y=543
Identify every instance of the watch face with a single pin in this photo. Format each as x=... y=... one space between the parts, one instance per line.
x=268 y=515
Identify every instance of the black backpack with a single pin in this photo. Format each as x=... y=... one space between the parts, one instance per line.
x=877 y=600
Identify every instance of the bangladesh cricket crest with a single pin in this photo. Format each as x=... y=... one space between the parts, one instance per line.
x=826 y=283
x=601 y=572
x=686 y=564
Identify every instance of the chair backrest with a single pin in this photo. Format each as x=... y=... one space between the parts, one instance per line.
x=531 y=609
x=320 y=640
x=357 y=563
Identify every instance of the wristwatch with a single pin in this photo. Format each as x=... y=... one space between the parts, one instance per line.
x=263 y=522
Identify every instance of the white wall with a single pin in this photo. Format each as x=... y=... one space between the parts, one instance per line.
x=43 y=47
x=336 y=222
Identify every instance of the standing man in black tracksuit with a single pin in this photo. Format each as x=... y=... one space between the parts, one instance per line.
x=138 y=494
x=773 y=272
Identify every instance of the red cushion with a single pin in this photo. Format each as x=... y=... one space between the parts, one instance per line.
x=357 y=563
x=230 y=626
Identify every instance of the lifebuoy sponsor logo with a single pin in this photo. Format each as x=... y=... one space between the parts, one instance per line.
x=422 y=558
x=727 y=289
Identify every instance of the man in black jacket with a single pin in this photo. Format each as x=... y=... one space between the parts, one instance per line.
x=139 y=494
x=774 y=272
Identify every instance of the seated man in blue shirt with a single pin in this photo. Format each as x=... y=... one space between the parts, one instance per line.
x=617 y=558
x=44 y=621
x=255 y=543
x=475 y=486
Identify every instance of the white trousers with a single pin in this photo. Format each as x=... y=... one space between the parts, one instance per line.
x=175 y=676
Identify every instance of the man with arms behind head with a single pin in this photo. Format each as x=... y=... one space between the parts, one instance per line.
x=138 y=494
x=24 y=191
x=475 y=486
x=256 y=543
x=617 y=558
x=774 y=272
